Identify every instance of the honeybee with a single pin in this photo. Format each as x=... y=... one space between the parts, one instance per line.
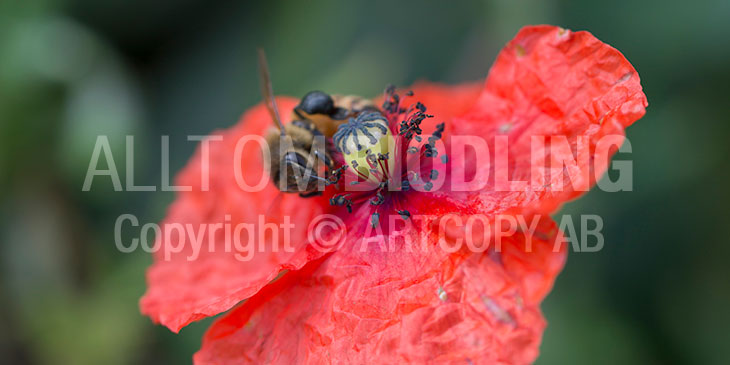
x=297 y=149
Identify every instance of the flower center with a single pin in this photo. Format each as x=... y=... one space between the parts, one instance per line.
x=387 y=162
x=367 y=146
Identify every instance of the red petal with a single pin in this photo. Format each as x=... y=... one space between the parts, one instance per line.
x=397 y=306
x=400 y=305
x=184 y=287
x=549 y=81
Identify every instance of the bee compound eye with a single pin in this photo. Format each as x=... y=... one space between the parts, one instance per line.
x=317 y=102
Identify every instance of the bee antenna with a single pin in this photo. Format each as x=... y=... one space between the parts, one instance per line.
x=268 y=91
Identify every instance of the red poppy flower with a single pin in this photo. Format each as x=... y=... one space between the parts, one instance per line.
x=390 y=291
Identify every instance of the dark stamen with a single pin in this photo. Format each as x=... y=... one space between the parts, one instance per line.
x=430 y=151
x=405 y=185
x=374 y=219
x=340 y=200
x=336 y=175
x=434 y=175
x=379 y=199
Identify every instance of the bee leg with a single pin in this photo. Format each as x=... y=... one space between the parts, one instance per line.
x=309 y=176
x=324 y=158
x=326 y=181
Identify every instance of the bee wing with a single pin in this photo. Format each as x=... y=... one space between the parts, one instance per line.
x=268 y=91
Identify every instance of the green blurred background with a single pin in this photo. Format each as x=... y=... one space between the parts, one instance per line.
x=658 y=293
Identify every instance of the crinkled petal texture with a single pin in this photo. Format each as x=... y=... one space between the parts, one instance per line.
x=203 y=268
x=402 y=296
x=567 y=89
x=412 y=303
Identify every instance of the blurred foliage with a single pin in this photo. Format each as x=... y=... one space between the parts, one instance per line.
x=71 y=70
